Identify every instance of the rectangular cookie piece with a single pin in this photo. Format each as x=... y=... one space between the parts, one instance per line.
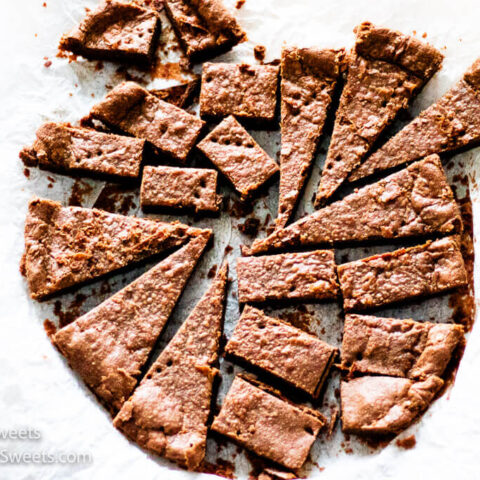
x=183 y=188
x=399 y=348
x=386 y=71
x=295 y=356
x=452 y=123
x=414 y=202
x=204 y=28
x=384 y=405
x=238 y=156
x=308 y=81
x=256 y=417
x=299 y=276
x=116 y=30
x=247 y=91
x=131 y=109
x=403 y=274
x=61 y=147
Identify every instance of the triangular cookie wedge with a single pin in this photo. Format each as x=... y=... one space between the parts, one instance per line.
x=386 y=70
x=168 y=412
x=109 y=345
x=414 y=202
x=66 y=246
x=378 y=405
x=308 y=80
x=116 y=30
x=448 y=125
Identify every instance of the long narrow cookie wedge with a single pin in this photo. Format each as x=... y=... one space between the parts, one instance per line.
x=448 y=125
x=295 y=356
x=66 y=246
x=168 y=412
x=288 y=276
x=384 y=405
x=61 y=147
x=397 y=347
x=131 y=109
x=204 y=28
x=308 y=80
x=260 y=419
x=403 y=274
x=387 y=69
x=116 y=30
x=109 y=345
x=414 y=202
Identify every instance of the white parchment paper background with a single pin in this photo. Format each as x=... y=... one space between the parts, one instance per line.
x=38 y=390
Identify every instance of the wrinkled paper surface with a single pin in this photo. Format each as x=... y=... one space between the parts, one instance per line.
x=37 y=389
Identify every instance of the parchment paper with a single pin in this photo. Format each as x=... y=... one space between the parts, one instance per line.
x=39 y=391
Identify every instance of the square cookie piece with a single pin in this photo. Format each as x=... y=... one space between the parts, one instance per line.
x=183 y=188
x=258 y=418
x=236 y=154
x=246 y=91
x=295 y=276
x=275 y=346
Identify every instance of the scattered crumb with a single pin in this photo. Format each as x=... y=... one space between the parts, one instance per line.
x=240 y=4
x=79 y=189
x=47 y=64
x=26 y=172
x=332 y=422
x=250 y=227
x=44 y=4
x=228 y=249
x=407 y=442
x=424 y=35
x=49 y=327
x=212 y=272
x=259 y=52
